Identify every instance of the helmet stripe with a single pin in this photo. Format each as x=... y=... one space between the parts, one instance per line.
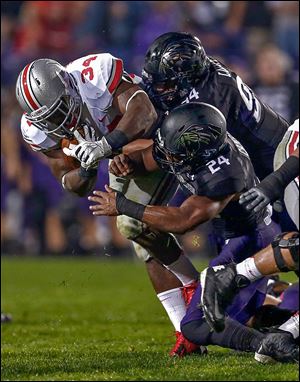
x=28 y=95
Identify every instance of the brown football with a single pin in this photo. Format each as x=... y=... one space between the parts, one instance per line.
x=70 y=162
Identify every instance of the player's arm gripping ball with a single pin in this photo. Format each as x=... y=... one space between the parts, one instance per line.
x=89 y=153
x=70 y=162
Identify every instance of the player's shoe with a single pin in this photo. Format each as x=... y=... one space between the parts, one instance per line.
x=219 y=285
x=184 y=347
x=188 y=291
x=5 y=317
x=279 y=347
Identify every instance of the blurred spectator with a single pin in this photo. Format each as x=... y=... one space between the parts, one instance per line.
x=161 y=17
x=90 y=33
x=253 y=19
x=217 y=24
x=12 y=175
x=274 y=84
x=47 y=27
x=286 y=26
x=120 y=22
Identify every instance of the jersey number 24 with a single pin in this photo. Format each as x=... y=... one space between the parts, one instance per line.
x=214 y=165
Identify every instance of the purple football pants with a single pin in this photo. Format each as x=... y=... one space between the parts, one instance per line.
x=236 y=250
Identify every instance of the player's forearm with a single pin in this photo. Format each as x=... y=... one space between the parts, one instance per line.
x=134 y=162
x=274 y=184
x=177 y=220
x=172 y=219
x=79 y=181
x=135 y=123
x=143 y=161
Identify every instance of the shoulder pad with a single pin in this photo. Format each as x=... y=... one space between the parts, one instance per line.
x=36 y=138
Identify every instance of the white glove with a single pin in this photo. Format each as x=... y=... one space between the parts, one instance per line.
x=88 y=153
x=89 y=133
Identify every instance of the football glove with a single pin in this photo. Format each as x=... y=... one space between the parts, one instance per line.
x=255 y=198
x=89 y=153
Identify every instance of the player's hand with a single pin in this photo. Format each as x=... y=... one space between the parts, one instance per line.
x=89 y=133
x=255 y=199
x=88 y=153
x=105 y=202
x=121 y=165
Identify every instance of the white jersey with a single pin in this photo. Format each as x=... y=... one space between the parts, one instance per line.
x=293 y=142
x=295 y=128
x=97 y=77
x=286 y=147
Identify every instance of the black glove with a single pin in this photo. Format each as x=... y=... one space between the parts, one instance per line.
x=255 y=199
x=272 y=187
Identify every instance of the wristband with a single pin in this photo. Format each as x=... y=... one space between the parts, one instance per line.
x=129 y=208
x=117 y=139
x=87 y=173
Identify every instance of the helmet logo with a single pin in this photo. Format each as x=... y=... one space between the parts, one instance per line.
x=189 y=141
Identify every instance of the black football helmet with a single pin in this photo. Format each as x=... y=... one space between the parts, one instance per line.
x=173 y=63
x=189 y=137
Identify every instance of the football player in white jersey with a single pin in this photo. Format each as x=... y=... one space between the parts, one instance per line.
x=94 y=101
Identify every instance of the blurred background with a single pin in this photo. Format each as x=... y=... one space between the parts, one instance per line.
x=257 y=39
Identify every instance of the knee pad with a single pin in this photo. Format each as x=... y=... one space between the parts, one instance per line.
x=292 y=244
x=151 y=243
x=141 y=252
x=129 y=227
x=132 y=229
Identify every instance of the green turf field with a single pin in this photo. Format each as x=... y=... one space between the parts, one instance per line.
x=77 y=319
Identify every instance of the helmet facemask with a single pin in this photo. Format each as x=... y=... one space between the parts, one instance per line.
x=171 y=162
x=169 y=92
x=63 y=117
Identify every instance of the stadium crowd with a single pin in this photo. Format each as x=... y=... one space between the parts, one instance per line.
x=257 y=39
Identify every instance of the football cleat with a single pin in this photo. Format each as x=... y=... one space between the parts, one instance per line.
x=279 y=347
x=219 y=286
x=188 y=291
x=184 y=347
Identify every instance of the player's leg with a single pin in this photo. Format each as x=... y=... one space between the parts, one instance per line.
x=220 y=284
x=291 y=326
x=278 y=346
x=171 y=272
x=215 y=300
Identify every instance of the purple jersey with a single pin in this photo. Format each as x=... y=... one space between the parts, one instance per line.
x=254 y=124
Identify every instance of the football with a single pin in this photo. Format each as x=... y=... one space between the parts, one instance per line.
x=70 y=162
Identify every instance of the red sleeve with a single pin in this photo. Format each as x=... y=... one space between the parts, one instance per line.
x=115 y=75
